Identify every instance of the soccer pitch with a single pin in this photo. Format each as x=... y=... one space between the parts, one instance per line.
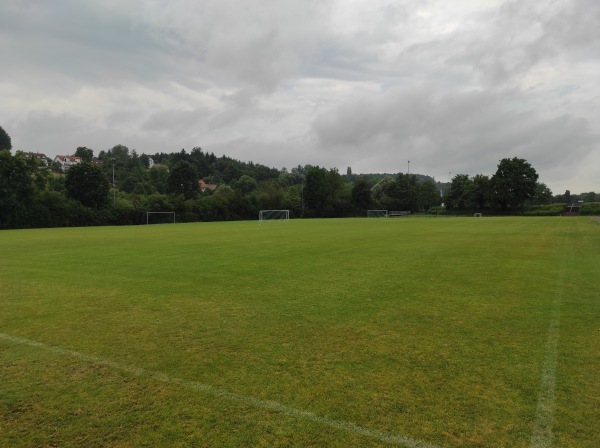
x=416 y=332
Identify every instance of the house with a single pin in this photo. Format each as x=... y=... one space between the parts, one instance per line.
x=204 y=186
x=41 y=158
x=67 y=162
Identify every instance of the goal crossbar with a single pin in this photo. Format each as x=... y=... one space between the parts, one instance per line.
x=274 y=215
x=377 y=213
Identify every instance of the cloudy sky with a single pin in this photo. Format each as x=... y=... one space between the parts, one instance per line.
x=452 y=86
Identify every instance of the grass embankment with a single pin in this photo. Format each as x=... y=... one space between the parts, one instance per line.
x=432 y=330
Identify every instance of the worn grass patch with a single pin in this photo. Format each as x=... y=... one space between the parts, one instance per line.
x=419 y=330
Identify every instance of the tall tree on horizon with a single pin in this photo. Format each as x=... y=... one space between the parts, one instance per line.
x=183 y=179
x=514 y=182
x=87 y=183
x=5 y=141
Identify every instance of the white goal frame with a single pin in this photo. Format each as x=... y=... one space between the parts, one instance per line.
x=273 y=215
x=159 y=213
x=377 y=213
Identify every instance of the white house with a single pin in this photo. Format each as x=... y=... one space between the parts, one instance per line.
x=67 y=162
x=44 y=161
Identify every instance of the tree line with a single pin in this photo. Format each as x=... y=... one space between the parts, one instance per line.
x=119 y=186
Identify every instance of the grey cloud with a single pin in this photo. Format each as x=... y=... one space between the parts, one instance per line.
x=451 y=86
x=575 y=26
x=176 y=121
x=521 y=35
x=51 y=133
x=467 y=131
x=82 y=41
x=255 y=43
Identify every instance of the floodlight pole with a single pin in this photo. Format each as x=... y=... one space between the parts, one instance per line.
x=408 y=171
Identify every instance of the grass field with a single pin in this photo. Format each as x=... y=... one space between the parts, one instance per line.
x=416 y=332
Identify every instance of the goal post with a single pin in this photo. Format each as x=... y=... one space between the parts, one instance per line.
x=163 y=217
x=274 y=215
x=377 y=213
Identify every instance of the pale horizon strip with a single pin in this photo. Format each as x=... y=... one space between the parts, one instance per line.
x=543 y=434
x=270 y=405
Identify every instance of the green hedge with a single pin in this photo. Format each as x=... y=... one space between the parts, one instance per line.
x=545 y=210
x=590 y=208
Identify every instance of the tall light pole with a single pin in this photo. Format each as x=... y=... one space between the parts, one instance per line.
x=408 y=171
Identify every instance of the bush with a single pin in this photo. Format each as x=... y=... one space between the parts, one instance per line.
x=437 y=210
x=545 y=210
x=590 y=208
x=123 y=212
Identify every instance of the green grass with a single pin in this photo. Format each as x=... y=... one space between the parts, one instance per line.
x=434 y=330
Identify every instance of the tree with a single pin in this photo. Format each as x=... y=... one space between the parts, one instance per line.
x=324 y=193
x=361 y=195
x=245 y=184
x=316 y=191
x=159 y=178
x=16 y=187
x=400 y=194
x=480 y=191
x=5 y=142
x=87 y=183
x=543 y=194
x=460 y=188
x=590 y=197
x=86 y=154
x=183 y=179
x=428 y=195
x=513 y=183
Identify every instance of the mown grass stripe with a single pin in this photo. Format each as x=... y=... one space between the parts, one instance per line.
x=216 y=392
x=542 y=434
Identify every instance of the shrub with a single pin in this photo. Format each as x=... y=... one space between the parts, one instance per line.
x=545 y=210
x=590 y=208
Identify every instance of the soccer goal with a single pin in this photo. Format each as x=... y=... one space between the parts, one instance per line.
x=274 y=215
x=377 y=213
x=160 y=217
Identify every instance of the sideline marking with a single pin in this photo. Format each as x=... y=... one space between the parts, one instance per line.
x=216 y=392
x=542 y=434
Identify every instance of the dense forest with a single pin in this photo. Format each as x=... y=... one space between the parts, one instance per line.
x=119 y=186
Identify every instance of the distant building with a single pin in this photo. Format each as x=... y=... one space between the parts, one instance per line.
x=150 y=162
x=41 y=158
x=204 y=186
x=67 y=162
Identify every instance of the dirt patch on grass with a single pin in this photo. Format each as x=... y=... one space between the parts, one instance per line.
x=595 y=218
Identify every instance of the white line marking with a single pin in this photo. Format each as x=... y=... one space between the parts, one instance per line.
x=542 y=434
x=216 y=392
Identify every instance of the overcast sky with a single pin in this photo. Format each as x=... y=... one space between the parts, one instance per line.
x=452 y=86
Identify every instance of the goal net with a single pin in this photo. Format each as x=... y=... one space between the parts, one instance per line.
x=377 y=213
x=274 y=215
x=160 y=217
